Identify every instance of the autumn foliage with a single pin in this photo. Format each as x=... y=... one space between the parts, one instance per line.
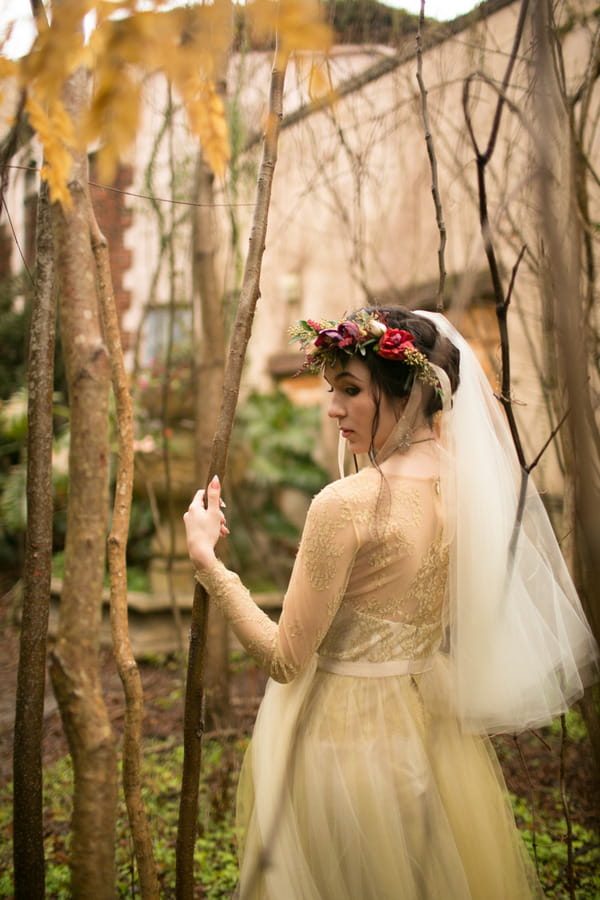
x=121 y=43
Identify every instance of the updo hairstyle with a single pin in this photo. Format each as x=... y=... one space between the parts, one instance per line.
x=395 y=378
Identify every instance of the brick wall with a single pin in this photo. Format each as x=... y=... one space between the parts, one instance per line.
x=114 y=218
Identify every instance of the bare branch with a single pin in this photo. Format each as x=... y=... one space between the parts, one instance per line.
x=117 y=561
x=566 y=810
x=19 y=134
x=506 y=80
x=513 y=275
x=532 y=805
x=435 y=189
x=28 y=838
x=433 y=37
x=194 y=697
x=547 y=443
x=502 y=300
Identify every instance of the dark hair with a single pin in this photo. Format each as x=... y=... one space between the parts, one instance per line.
x=394 y=378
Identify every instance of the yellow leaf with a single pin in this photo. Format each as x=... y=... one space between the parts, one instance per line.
x=299 y=23
x=58 y=49
x=206 y=115
x=113 y=119
x=320 y=84
x=8 y=68
x=55 y=131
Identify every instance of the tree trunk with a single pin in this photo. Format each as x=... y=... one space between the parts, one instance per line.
x=209 y=366
x=117 y=559
x=75 y=659
x=193 y=717
x=565 y=294
x=28 y=835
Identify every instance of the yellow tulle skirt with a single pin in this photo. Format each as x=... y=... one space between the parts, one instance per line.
x=366 y=789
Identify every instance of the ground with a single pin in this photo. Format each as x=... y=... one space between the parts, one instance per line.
x=531 y=765
x=162 y=681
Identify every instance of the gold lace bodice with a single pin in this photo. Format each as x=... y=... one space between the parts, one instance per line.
x=368 y=584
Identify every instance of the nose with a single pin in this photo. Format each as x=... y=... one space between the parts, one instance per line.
x=335 y=410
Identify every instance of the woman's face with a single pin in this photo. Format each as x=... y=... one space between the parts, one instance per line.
x=353 y=405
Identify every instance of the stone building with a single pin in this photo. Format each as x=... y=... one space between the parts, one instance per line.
x=352 y=215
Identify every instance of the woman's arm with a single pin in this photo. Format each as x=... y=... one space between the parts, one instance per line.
x=315 y=591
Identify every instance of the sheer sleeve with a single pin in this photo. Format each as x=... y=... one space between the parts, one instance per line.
x=317 y=585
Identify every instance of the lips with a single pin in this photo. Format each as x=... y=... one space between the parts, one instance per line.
x=346 y=432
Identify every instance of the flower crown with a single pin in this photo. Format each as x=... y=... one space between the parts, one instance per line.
x=323 y=342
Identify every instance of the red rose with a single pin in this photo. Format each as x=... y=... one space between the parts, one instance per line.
x=395 y=343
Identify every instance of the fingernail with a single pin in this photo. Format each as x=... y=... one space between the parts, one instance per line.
x=215 y=480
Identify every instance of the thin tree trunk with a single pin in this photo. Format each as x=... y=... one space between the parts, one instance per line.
x=194 y=714
x=172 y=512
x=75 y=658
x=565 y=294
x=117 y=561
x=502 y=297
x=209 y=365
x=28 y=834
x=431 y=154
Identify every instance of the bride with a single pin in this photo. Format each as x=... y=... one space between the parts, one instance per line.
x=422 y=614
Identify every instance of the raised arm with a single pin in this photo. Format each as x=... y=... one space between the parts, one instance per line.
x=316 y=587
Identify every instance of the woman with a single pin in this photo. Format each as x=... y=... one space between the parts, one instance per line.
x=421 y=613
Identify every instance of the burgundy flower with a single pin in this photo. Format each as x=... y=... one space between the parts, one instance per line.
x=345 y=335
x=329 y=337
x=349 y=334
x=394 y=343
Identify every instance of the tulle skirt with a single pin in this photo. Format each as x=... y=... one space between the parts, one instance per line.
x=366 y=789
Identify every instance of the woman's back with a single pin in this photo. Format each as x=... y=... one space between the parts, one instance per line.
x=393 y=602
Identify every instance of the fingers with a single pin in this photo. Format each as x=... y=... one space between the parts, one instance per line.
x=214 y=493
x=211 y=502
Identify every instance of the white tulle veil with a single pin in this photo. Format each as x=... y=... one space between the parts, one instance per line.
x=518 y=639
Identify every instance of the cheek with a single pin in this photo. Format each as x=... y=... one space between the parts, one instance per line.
x=367 y=411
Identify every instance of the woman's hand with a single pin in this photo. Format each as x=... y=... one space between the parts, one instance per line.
x=204 y=525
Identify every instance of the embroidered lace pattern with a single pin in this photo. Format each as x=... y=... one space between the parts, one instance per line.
x=322 y=546
x=358 y=591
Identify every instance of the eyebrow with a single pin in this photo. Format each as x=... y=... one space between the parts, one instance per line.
x=342 y=375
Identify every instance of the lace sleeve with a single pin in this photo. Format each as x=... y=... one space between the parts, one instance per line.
x=317 y=585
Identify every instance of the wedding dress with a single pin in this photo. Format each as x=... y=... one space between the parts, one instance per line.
x=359 y=783
x=423 y=613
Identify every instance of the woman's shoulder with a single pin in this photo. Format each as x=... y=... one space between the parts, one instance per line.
x=342 y=504
x=347 y=490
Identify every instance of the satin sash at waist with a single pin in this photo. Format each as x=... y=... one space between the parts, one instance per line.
x=360 y=669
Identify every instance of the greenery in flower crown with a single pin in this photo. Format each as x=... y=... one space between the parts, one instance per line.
x=323 y=342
